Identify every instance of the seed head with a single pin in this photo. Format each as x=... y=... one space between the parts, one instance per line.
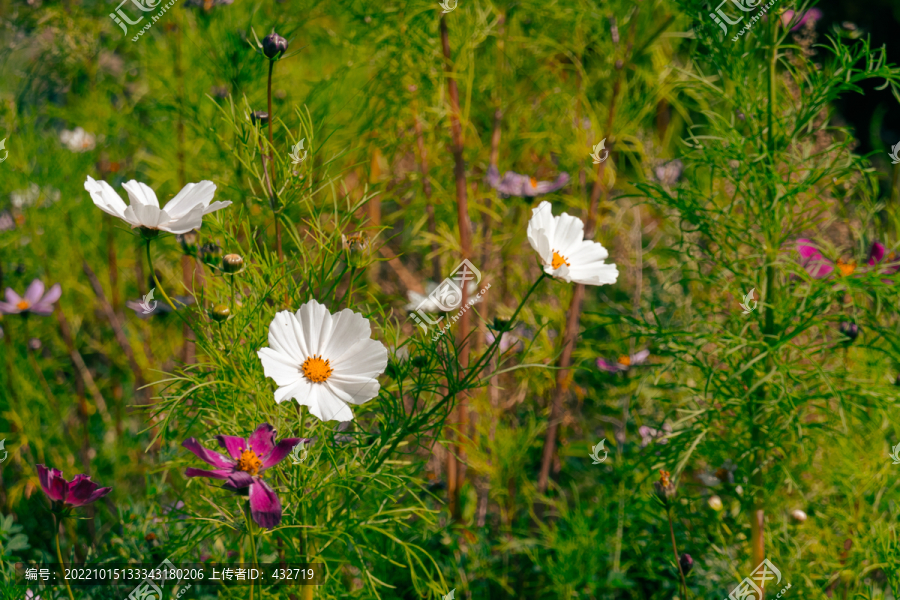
x=274 y=45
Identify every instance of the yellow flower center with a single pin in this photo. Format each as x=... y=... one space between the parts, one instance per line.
x=317 y=370
x=249 y=462
x=625 y=360
x=846 y=268
x=533 y=182
x=559 y=260
x=23 y=305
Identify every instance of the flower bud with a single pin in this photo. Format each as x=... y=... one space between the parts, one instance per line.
x=260 y=117
x=232 y=263
x=188 y=241
x=798 y=515
x=850 y=330
x=686 y=562
x=274 y=45
x=209 y=253
x=715 y=503
x=665 y=491
x=220 y=313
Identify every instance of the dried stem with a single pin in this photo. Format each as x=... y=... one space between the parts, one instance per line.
x=454 y=466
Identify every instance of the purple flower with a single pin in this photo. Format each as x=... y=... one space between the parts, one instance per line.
x=34 y=301
x=514 y=184
x=648 y=434
x=812 y=260
x=624 y=362
x=686 y=562
x=876 y=255
x=248 y=459
x=813 y=14
x=78 y=492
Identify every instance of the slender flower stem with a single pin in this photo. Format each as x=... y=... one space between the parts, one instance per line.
x=675 y=552
x=62 y=565
x=272 y=169
x=156 y=280
x=250 y=526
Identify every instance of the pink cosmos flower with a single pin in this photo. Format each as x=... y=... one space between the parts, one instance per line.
x=876 y=255
x=248 y=459
x=624 y=362
x=35 y=300
x=813 y=14
x=78 y=492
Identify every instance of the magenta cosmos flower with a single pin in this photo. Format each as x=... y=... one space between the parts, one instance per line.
x=78 y=492
x=876 y=255
x=624 y=362
x=34 y=301
x=248 y=459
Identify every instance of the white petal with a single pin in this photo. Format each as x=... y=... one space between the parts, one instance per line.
x=325 y=405
x=597 y=273
x=216 y=206
x=105 y=197
x=316 y=325
x=140 y=193
x=568 y=235
x=347 y=328
x=539 y=229
x=187 y=222
x=284 y=338
x=284 y=369
x=191 y=195
x=586 y=252
x=354 y=390
x=300 y=391
x=144 y=216
x=366 y=358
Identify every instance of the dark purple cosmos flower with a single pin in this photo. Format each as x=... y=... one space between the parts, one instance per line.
x=514 y=184
x=248 y=459
x=876 y=255
x=35 y=300
x=78 y=492
x=817 y=265
x=687 y=563
x=850 y=331
x=624 y=362
x=813 y=14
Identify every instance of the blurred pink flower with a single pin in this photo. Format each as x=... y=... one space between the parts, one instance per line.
x=624 y=362
x=78 y=492
x=34 y=301
x=813 y=14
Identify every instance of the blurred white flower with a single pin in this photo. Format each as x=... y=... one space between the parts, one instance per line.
x=29 y=197
x=324 y=361
x=78 y=140
x=566 y=255
x=183 y=213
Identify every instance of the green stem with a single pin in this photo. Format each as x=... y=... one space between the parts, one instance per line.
x=62 y=565
x=275 y=203
x=156 y=281
x=252 y=544
x=675 y=551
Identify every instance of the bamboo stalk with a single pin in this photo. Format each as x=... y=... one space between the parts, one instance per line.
x=454 y=477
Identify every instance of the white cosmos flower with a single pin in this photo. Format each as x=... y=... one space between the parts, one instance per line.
x=564 y=252
x=324 y=361
x=183 y=213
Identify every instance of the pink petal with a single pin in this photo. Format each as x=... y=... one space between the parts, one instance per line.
x=52 y=295
x=213 y=458
x=34 y=292
x=876 y=254
x=265 y=507
x=12 y=297
x=239 y=479
x=283 y=448
x=46 y=477
x=233 y=444
x=262 y=440
x=606 y=366
x=216 y=474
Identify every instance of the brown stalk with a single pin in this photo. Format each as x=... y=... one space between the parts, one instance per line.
x=426 y=187
x=454 y=466
x=83 y=372
x=573 y=315
x=117 y=327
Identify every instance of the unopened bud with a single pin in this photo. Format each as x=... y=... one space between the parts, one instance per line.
x=798 y=515
x=220 y=313
x=850 y=330
x=715 y=503
x=232 y=263
x=274 y=45
x=686 y=562
x=260 y=117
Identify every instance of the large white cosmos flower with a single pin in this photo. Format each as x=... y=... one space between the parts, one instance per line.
x=183 y=213
x=563 y=250
x=324 y=361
